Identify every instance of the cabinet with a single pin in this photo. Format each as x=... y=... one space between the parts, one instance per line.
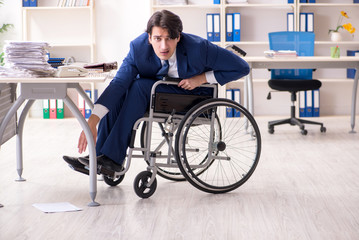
x=258 y=18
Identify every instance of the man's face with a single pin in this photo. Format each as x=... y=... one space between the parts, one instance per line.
x=162 y=44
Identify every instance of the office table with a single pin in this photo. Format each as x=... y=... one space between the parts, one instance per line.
x=32 y=89
x=304 y=63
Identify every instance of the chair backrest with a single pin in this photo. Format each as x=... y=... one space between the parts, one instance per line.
x=301 y=42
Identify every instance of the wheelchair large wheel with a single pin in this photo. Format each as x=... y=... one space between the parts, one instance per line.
x=231 y=150
x=159 y=146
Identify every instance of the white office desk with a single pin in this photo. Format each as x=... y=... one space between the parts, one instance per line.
x=32 y=89
x=304 y=63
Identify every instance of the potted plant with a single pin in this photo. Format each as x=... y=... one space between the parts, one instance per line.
x=335 y=34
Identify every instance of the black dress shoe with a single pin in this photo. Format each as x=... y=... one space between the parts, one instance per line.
x=104 y=165
x=76 y=165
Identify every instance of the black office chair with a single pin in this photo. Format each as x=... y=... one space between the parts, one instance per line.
x=293 y=80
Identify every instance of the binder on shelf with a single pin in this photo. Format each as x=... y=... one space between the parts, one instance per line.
x=25 y=3
x=229 y=27
x=351 y=71
x=216 y=28
x=303 y=1
x=236 y=27
x=33 y=3
x=302 y=22
x=53 y=110
x=290 y=1
x=88 y=110
x=308 y=103
x=316 y=103
x=229 y=111
x=210 y=27
x=60 y=109
x=310 y=22
x=237 y=98
x=45 y=108
x=290 y=22
x=301 y=104
x=216 y=1
x=311 y=1
x=356 y=1
x=81 y=104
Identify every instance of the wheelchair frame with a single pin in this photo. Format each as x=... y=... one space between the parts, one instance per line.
x=203 y=113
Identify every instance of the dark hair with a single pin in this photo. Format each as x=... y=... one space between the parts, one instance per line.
x=168 y=20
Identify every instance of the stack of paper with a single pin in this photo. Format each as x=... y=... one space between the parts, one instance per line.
x=280 y=54
x=28 y=58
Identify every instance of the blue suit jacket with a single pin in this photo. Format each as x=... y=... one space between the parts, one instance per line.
x=195 y=56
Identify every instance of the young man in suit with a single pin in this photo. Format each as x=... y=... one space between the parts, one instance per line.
x=162 y=50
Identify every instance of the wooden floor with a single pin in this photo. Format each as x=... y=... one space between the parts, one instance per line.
x=305 y=187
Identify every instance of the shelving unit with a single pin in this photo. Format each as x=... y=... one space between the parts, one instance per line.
x=70 y=32
x=255 y=16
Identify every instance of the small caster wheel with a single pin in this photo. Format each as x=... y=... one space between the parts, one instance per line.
x=271 y=130
x=323 y=129
x=113 y=181
x=140 y=185
x=304 y=132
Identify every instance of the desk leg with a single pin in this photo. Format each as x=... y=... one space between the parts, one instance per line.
x=20 y=128
x=91 y=147
x=354 y=95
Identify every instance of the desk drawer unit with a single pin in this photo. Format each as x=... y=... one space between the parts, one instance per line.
x=7 y=98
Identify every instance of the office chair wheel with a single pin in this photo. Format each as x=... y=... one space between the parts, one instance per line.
x=217 y=156
x=113 y=181
x=304 y=132
x=323 y=129
x=159 y=146
x=141 y=182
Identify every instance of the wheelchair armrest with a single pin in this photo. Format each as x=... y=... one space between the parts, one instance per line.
x=171 y=79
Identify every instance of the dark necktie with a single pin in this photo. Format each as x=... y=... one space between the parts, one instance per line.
x=163 y=70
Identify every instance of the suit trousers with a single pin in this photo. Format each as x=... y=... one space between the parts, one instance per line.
x=115 y=128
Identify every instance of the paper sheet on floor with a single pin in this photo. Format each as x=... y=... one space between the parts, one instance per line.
x=56 y=207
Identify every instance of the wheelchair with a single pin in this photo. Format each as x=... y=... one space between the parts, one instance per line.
x=191 y=138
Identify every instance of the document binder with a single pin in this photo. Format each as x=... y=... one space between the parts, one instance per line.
x=216 y=1
x=311 y=1
x=87 y=107
x=60 y=109
x=351 y=71
x=303 y=22
x=33 y=3
x=53 y=110
x=309 y=104
x=236 y=27
x=229 y=95
x=316 y=103
x=310 y=22
x=216 y=28
x=237 y=99
x=81 y=104
x=290 y=1
x=26 y=3
x=210 y=27
x=290 y=22
x=46 y=110
x=301 y=104
x=229 y=27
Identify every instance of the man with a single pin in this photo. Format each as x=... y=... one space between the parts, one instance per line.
x=162 y=50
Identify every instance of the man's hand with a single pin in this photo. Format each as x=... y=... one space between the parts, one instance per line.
x=192 y=83
x=92 y=122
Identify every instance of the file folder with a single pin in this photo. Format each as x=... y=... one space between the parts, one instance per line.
x=216 y=28
x=301 y=104
x=46 y=110
x=316 y=103
x=236 y=27
x=351 y=71
x=210 y=27
x=25 y=3
x=302 y=22
x=290 y=1
x=290 y=22
x=311 y=1
x=216 y=1
x=229 y=27
x=88 y=110
x=309 y=104
x=229 y=95
x=310 y=22
x=33 y=3
x=81 y=104
x=60 y=109
x=237 y=98
x=53 y=110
